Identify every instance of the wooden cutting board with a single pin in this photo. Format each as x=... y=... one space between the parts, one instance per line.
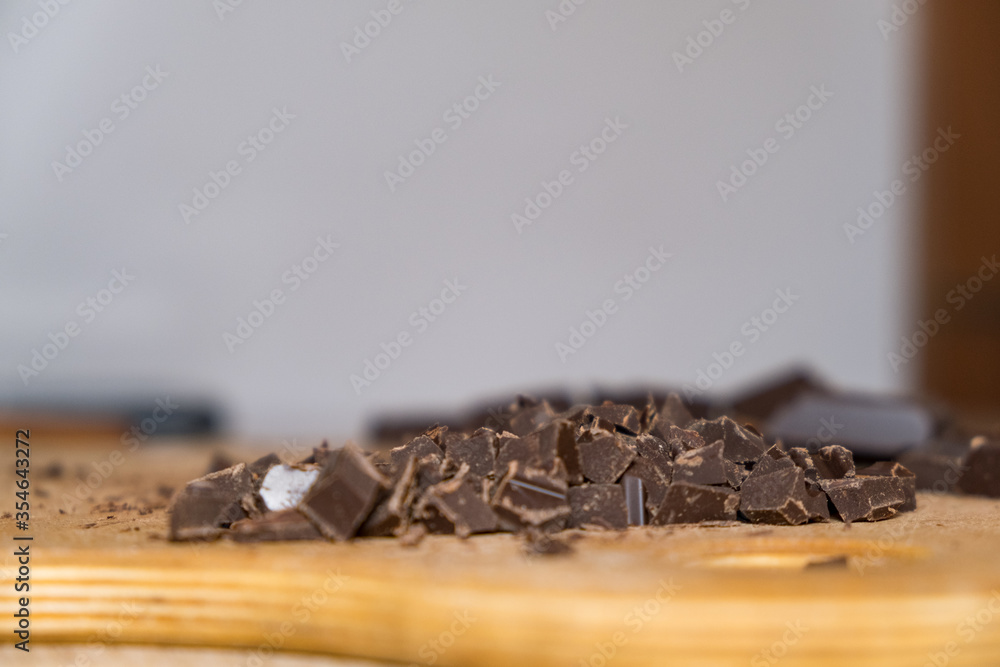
x=924 y=586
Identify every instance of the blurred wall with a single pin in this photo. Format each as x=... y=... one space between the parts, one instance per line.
x=171 y=170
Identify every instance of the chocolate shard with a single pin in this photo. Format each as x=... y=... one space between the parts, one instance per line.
x=773 y=460
x=654 y=484
x=693 y=503
x=430 y=471
x=741 y=445
x=343 y=496
x=605 y=457
x=391 y=516
x=530 y=450
x=701 y=466
x=208 y=504
x=834 y=462
x=274 y=527
x=673 y=411
x=657 y=452
x=905 y=480
x=778 y=497
x=803 y=459
x=527 y=419
x=817 y=504
x=865 y=498
x=598 y=507
x=531 y=497
x=982 y=469
x=457 y=503
x=623 y=417
x=938 y=471
x=477 y=451
x=736 y=473
x=680 y=440
x=421 y=446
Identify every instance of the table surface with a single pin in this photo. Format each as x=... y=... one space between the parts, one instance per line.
x=106 y=584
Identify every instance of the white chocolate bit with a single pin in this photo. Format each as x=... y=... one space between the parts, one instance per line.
x=284 y=486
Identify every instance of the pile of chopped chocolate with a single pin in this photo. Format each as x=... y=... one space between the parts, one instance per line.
x=590 y=467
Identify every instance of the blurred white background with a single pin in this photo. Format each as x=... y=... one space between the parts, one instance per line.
x=345 y=121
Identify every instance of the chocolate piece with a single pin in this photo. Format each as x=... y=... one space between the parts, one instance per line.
x=870 y=427
x=773 y=460
x=622 y=416
x=803 y=459
x=208 y=504
x=531 y=450
x=284 y=486
x=982 y=469
x=657 y=452
x=654 y=485
x=421 y=447
x=391 y=516
x=530 y=497
x=905 y=480
x=430 y=471
x=344 y=495
x=735 y=474
x=816 y=503
x=693 y=503
x=598 y=507
x=478 y=452
x=778 y=497
x=865 y=498
x=674 y=412
x=834 y=462
x=457 y=502
x=701 y=466
x=274 y=526
x=604 y=458
x=635 y=500
x=680 y=440
x=526 y=420
x=741 y=445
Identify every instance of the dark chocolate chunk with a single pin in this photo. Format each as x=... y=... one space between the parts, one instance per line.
x=344 y=495
x=693 y=503
x=421 y=446
x=624 y=417
x=530 y=450
x=904 y=479
x=817 y=504
x=865 y=498
x=778 y=497
x=735 y=474
x=982 y=469
x=657 y=452
x=701 y=466
x=430 y=471
x=673 y=411
x=531 y=497
x=391 y=516
x=273 y=527
x=478 y=452
x=741 y=445
x=834 y=462
x=680 y=440
x=773 y=460
x=654 y=485
x=527 y=419
x=208 y=504
x=457 y=502
x=803 y=459
x=598 y=506
x=604 y=458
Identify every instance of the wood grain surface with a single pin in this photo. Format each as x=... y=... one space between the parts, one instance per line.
x=924 y=586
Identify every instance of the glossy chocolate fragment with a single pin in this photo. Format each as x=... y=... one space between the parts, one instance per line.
x=624 y=417
x=694 y=503
x=605 y=457
x=420 y=447
x=778 y=497
x=657 y=452
x=902 y=478
x=531 y=497
x=865 y=498
x=477 y=451
x=458 y=502
x=741 y=444
x=834 y=462
x=344 y=495
x=598 y=507
x=208 y=504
